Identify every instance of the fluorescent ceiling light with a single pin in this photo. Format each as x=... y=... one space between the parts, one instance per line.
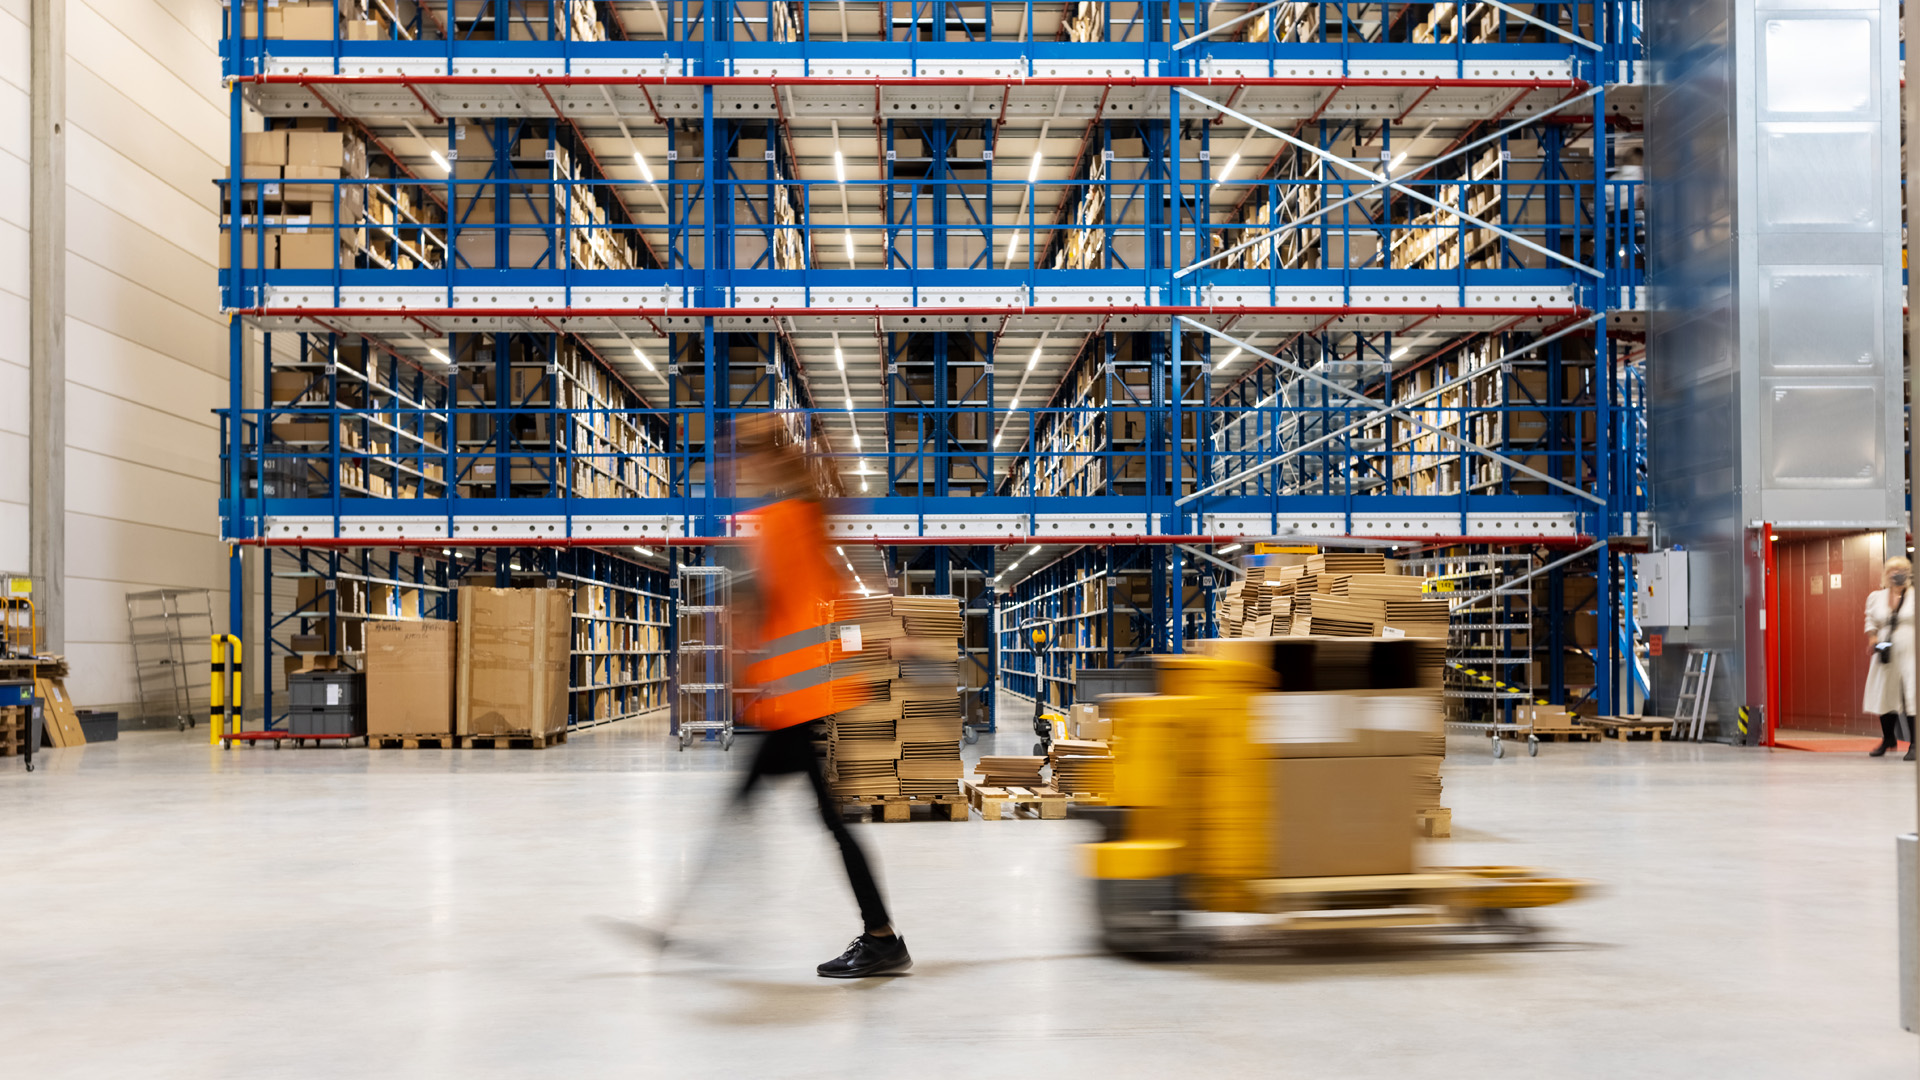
x=1400 y=352
x=1034 y=550
x=840 y=551
x=1228 y=170
x=644 y=551
x=642 y=357
x=1397 y=160
x=1033 y=174
x=645 y=172
x=1014 y=404
x=856 y=440
x=863 y=487
x=1034 y=359
x=1013 y=246
x=996 y=439
x=849 y=404
x=839 y=358
x=440 y=161
x=839 y=167
x=1231 y=357
x=438 y=355
x=1229 y=547
x=849 y=247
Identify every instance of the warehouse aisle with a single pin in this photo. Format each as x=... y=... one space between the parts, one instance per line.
x=432 y=913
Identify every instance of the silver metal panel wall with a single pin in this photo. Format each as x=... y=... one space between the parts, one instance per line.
x=1774 y=352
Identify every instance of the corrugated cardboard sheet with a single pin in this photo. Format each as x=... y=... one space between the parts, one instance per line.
x=513 y=655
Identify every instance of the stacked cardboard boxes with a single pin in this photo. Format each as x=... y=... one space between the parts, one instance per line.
x=410 y=679
x=290 y=199
x=1330 y=595
x=1353 y=739
x=311 y=20
x=901 y=656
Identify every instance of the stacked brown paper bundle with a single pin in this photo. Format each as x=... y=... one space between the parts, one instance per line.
x=909 y=645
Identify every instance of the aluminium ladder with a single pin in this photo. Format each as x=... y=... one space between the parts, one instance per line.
x=1696 y=686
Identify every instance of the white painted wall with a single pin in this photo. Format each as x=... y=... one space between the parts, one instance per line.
x=146 y=346
x=15 y=147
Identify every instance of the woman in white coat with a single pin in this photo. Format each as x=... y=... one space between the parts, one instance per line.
x=1890 y=675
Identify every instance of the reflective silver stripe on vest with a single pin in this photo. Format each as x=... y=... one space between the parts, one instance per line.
x=799 y=639
x=799 y=680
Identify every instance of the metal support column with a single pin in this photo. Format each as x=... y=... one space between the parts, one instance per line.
x=46 y=320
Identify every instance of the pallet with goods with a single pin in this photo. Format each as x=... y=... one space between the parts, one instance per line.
x=1088 y=21
x=1082 y=767
x=313 y=20
x=900 y=732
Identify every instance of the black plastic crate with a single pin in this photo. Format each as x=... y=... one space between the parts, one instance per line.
x=325 y=689
x=99 y=725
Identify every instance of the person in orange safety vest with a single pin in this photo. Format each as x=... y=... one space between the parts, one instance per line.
x=796 y=641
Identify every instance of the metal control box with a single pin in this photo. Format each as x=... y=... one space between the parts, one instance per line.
x=1660 y=588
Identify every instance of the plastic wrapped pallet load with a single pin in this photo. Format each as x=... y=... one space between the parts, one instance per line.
x=513 y=658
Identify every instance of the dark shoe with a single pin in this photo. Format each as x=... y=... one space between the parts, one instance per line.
x=868 y=955
x=1889 y=734
x=1878 y=751
x=1908 y=756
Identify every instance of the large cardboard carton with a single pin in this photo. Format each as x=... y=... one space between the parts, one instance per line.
x=410 y=669
x=1342 y=816
x=513 y=658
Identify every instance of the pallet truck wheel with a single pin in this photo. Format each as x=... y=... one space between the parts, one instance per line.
x=1498 y=750
x=29 y=766
x=1533 y=746
x=970 y=733
x=726 y=741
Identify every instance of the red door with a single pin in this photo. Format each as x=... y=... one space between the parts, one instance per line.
x=1821 y=583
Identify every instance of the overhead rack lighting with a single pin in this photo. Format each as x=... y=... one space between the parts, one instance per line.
x=849 y=404
x=1034 y=550
x=1227 y=170
x=849 y=247
x=1231 y=357
x=839 y=167
x=438 y=355
x=645 y=172
x=839 y=358
x=856 y=440
x=1013 y=405
x=1033 y=174
x=441 y=161
x=1398 y=160
x=1229 y=549
x=642 y=357
x=648 y=552
x=1034 y=359
x=1400 y=352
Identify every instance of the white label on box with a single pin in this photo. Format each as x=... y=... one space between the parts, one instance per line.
x=1300 y=718
x=1392 y=631
x=1415 y=714
x=850 y=638
x=333 y=693
x=297 y=224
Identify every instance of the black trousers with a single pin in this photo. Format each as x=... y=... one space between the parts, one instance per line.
x=790 y=750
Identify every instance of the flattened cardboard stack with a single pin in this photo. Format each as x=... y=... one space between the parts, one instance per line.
x=1403 y=604
x=1081 y=767
x=1354 y=739
x=903 y=738
x=1004 y=772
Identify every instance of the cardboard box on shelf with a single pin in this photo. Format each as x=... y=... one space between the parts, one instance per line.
x=1342 y=816
x=307 y=21
x=316 y=149
x=410 y=668
x=308 y=250
x=262 y=148
x=513 y=656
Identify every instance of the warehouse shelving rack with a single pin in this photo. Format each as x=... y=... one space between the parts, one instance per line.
x=701 y=138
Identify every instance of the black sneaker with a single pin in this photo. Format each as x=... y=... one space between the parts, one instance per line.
x=868 y=955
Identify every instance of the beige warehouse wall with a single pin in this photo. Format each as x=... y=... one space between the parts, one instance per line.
x=15 y=143
x=146 y=345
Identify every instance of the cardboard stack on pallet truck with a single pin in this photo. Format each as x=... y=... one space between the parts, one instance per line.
x=900 y=733
x=1353 y=736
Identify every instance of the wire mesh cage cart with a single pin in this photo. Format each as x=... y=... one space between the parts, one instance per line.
x=169 y=630
x=703 y=656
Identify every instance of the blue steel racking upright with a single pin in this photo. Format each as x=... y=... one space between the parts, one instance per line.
x=587 y=235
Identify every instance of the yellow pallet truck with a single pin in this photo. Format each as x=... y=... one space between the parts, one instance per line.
x=1187 y=835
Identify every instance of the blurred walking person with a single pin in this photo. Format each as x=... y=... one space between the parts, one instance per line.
x=1890 y=675
x=795 y=640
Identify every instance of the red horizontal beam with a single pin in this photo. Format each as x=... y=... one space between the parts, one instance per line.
x=402 y=79
x=909 y=541
x=562 y=314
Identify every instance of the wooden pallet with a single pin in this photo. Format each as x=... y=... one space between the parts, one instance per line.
x=1626 y=727
x=1040 y=802
x=523 y=741
x=1436 y=823
x=900 y=807
x=441 y=741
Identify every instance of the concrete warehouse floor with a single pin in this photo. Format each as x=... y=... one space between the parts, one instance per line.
x=179 y=911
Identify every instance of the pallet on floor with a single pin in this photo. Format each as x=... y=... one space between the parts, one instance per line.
x=1040 y=802
x=1579 y=735
x=1627 y=727
x=523 y=741
x=1435 y=824
x=435 y=741
x=900 y=807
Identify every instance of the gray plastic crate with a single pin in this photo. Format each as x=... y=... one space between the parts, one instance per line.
x=303 y=722
x=324 y=689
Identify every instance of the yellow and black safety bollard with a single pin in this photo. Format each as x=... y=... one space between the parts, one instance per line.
x=225 y=706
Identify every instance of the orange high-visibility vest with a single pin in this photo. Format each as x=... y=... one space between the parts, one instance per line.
x=797 y=639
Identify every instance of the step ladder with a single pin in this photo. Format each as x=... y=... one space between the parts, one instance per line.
x=1696 y=686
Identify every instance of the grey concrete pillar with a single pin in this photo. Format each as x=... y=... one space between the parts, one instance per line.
x=47 y=349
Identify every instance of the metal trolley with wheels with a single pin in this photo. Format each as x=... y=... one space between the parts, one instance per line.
x=1493 y=731
x=703 y=656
